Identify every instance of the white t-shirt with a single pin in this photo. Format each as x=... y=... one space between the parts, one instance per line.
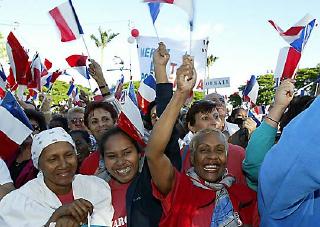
x=4 y=173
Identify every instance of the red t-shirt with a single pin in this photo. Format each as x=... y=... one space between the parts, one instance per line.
x=90 y=164
x=67 y=198
x=119 y=192
x=200 y=218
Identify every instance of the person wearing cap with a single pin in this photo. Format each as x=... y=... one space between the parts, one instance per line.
x=57 y=195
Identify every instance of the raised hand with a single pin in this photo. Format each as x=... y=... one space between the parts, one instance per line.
x=284 y=94
x=186 y=75
x=249 y=124
x=95 y=71
x=161 y=56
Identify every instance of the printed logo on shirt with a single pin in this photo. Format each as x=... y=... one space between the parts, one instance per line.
x=120 y=222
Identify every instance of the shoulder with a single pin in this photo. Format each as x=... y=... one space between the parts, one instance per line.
x=90 y=181
x=236 y=150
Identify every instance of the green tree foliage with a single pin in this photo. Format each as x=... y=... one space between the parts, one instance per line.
x=59 y=92
x=235 y=100
x=266 y=85
x=3 y=52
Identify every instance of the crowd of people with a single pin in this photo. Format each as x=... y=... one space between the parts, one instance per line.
x=201 y=166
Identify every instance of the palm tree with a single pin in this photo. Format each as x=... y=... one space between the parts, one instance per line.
x=105 y=38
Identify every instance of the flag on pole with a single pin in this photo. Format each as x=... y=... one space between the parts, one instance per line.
x=146 y=93
x=186 y=5
x=14 y=127
x=36 y=69
x=154 y=9
x=67 y=21
x=298 y=35
x=47 y=64
x=73 y=91
x=129 y=119
x=18 y=59
x=79 y=63
x=118 y=88
x=287 y=64
x=250 y=92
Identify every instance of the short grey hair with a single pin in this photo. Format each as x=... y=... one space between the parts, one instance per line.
x=196 y=138
x=76 y=109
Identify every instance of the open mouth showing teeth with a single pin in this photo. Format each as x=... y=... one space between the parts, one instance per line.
x=123 y=171
x=211 y=168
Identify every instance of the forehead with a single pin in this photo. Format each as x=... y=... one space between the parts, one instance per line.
x=211 y=139
x=99 y=113
x=57 y=148
x=117 y=142
x=77 y=115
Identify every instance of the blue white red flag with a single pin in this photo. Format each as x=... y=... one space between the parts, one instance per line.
x=67 y=21
x=186 y=5
x=14 y=126
x=154 y=9
x=250 y=92
x=118 y=87
x=146 y=93
x=298 y=35
x=129 y=119
x=287 y=64
x=79 y=63
x=250 y=114
x=73 y=91
x=18 y=59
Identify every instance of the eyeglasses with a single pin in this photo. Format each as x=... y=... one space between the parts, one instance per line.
x=77 y=120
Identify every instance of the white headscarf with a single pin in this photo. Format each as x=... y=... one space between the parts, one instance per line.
x=46 y=138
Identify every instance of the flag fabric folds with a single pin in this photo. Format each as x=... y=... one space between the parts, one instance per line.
x=129 y=119
x=154 y=8
x=118 y=88
x=298 y=35
x=287 y=64
x=36 y=69
x=146 y=93
x=67 y=21
x=14 y=127
x=250 y=92
x=18 y=59
x=186 y=5
x=3 y=79
x=79 y=63
x=73 y=91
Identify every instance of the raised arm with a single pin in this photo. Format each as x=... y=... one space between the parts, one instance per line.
x=263 y=138
x=161 y=169
x=164 y=91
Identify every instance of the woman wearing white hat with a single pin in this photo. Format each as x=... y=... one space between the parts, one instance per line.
x=57 y=195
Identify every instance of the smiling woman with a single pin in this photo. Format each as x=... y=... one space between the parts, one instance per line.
x=57 y=195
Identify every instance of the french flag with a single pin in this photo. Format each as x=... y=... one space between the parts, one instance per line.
x=79 y=63
x=129 y=119
x=36 y=69
x=146 y=93
x=287 y=64
x=186 y=5
x=73 y=91
x=67 y=21
x=250 y=92
x=14 y=127
x=154 y=9
x=298 y=35
x=118 y=88
x=18 y=59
